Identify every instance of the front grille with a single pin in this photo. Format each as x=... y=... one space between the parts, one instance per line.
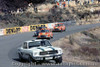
x=48 y=52
x=57 y=29
x=43 y=36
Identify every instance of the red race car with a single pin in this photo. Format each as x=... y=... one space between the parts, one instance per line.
x=59 y=27
x=36 y=33
x=45 y=34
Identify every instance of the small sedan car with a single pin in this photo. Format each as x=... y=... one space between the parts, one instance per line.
x=39 y=50
x=59 y=27
x=36 y=33
x=45 y=34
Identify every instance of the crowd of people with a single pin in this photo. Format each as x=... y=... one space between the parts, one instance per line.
x=61 y=3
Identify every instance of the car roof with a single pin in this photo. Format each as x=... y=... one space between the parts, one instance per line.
x=60 y=23
x=35 y=40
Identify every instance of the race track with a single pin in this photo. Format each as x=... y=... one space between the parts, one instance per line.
x=9 y=44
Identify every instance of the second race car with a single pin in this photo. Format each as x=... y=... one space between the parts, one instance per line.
x=45 y=34
x=59 y=27
x=36 y=33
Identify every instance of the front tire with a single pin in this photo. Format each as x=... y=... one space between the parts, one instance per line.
x=58 y=60
x=49 y=38
x=65 y=29
x=52 y=37
x=20 y=57
x=61 y=30
x=30 y=59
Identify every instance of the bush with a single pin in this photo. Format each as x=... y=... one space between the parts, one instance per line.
x=89 y=51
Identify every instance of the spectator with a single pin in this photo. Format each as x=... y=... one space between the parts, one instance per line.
x=64 y=4
x=60 y=4
x=57 y=3
x=35 y=9
x=76 y=1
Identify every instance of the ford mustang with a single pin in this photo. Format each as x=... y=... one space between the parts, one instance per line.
x=39 y=50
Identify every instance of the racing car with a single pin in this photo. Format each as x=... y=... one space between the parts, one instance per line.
x=39 y=50
x=59 y=27
x=36 y=33
x=45 y=34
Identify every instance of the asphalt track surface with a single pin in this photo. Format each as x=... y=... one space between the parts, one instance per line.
x=9 y=45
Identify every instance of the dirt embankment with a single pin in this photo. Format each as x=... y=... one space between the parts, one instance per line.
x=81 y=48
x=48 y=13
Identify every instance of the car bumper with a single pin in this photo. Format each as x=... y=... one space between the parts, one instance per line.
x=47 y=57
x=43 y=36
x=56 y=30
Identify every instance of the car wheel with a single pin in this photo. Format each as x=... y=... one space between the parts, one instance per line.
x=37 y=38
x=52 y=37
x=61 y=30
x=29 y=59
x=34 y=36
x=20 y=57
x=58 y=60
x=48 y=38
x=65 y=29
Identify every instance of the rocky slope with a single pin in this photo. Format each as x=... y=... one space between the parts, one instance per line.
x=14 y=4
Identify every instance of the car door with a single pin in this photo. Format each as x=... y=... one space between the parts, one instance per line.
x=25 y=53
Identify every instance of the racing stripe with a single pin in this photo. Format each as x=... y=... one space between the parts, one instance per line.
x=41 y=49
x=51 y=48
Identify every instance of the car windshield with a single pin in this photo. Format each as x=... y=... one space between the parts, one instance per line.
x=57 y=25
x=44 y=30
x=39 y=43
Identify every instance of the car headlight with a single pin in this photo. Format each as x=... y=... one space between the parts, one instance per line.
x=60 y=51
x=35 y=53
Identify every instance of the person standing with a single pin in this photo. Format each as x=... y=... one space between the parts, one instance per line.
x=64 y=4
x=35 y=9
x=57 y=3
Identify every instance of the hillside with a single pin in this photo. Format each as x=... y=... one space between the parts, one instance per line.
x=19 y=13
x=14 y=4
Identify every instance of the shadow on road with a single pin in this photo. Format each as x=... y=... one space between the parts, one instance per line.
x=34 y=62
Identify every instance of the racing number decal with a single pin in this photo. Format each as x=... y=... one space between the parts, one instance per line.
x=34 y=27
x=13 y=30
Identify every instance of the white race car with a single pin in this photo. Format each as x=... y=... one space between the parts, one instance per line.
x=39 y=50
